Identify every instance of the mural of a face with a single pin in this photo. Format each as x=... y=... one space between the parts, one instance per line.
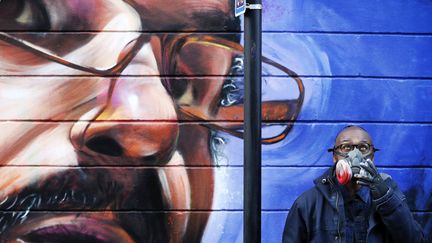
x=92 y=149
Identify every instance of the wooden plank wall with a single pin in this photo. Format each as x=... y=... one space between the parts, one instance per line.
x=365 y=63
x=153 y=151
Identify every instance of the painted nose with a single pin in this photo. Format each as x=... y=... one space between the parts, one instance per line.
x=136 y=126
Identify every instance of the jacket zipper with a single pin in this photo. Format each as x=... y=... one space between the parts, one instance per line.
x=338 y=222
x=337 y=210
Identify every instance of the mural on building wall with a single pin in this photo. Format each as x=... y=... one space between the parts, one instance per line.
x=110 y=120
x=352 y=74
x=121 y=120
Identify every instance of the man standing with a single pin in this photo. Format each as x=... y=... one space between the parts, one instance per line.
x=352 y=202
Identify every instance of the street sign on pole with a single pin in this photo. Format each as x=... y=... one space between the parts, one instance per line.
x=240 y=7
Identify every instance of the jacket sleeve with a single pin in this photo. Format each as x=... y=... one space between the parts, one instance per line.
x=397 y=216
x=295 y=230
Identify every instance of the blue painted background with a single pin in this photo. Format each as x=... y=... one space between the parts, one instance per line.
x=362 y=62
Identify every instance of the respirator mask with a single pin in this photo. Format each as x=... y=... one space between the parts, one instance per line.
x=346 y=168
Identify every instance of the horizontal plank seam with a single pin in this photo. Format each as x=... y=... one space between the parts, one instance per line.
x=130 y=166
x=287 y=210
x=199 y=122
x=168 y=211
x=368 y=77
x=328 y=166
x=372 y=33
x=221 y=32
x=123 y=166
x=128 y=210
x=149 y=32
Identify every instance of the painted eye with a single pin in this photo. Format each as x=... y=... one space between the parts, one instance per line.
x=177 y=87
x=23 y=15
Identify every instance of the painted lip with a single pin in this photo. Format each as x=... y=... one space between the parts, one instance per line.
x=82 y=227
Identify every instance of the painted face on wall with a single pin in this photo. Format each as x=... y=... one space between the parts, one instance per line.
x=91 y=97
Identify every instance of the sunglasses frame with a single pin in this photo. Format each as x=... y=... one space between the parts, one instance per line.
x=171 y=46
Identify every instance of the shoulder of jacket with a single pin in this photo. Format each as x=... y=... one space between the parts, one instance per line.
x=307 y=197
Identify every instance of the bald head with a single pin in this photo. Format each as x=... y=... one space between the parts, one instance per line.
x=352 y=135
x=353 y=132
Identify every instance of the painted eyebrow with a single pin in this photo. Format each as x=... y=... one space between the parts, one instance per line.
x=213 y=18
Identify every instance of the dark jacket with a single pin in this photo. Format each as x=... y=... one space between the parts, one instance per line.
x=318 y=215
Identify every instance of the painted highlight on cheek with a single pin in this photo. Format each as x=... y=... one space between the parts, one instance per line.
x=134 y=103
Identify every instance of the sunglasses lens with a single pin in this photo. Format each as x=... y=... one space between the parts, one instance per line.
x=346 y=148
x=364 y=148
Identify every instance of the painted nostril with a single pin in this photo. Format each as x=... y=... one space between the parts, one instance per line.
x=105 y=145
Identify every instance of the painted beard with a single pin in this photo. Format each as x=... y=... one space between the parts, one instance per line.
x=126 y=205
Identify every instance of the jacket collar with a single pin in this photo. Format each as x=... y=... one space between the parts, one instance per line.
x=326 y=184
x=363 y=193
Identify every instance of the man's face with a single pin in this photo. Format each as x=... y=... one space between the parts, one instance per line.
x=352 y=136
x=87 y=158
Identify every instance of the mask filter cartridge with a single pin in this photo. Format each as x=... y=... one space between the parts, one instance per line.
x=349 y=166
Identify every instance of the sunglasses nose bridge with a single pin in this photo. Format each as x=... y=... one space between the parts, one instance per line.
x=126 y=55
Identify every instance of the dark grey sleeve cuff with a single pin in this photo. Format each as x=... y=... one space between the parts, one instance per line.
x=387 y=203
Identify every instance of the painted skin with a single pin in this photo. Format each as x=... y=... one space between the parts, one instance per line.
x=103 y=158
x=79 y=129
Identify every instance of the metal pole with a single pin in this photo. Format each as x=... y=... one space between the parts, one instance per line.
x=252 y=123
